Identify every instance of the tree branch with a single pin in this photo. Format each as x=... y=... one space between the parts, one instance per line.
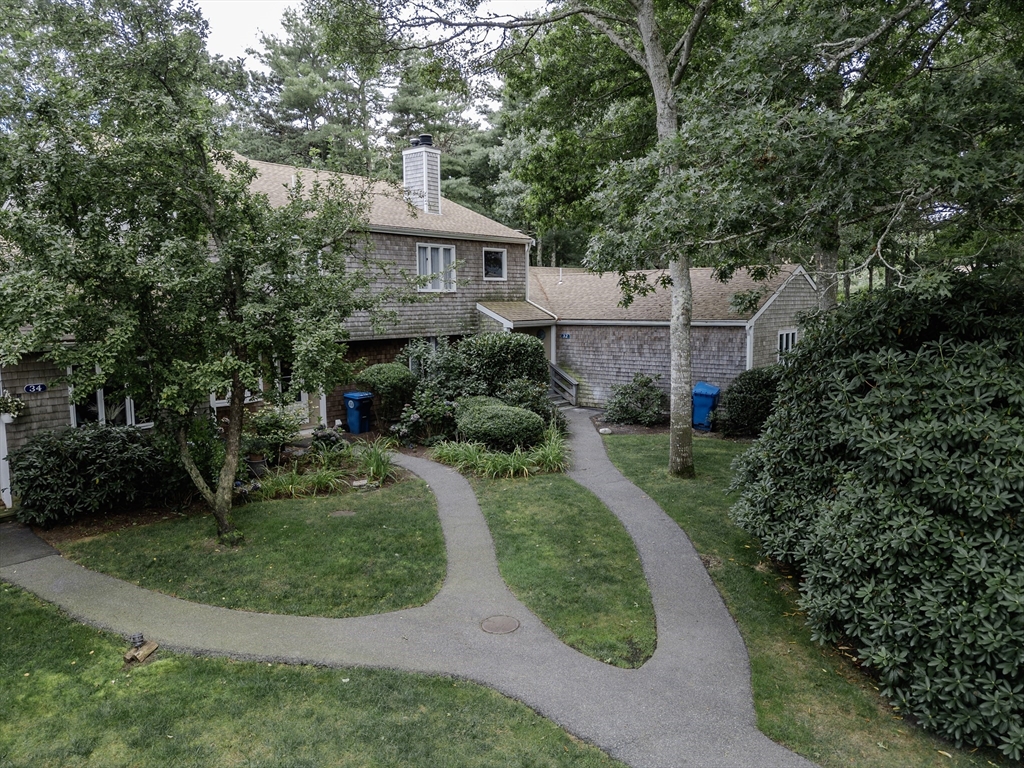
x=854 y=45
x=622 y=43
x=684 y=48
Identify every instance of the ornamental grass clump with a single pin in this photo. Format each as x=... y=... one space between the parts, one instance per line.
x=891 y=474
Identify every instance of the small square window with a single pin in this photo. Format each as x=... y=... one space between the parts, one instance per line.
x=494 y=264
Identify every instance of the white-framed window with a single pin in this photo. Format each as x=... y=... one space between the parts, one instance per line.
x=787 y=340
x=110 y=404
x=494 y=264
x=438 y=263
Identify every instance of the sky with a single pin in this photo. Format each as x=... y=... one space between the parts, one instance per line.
x=238 y=24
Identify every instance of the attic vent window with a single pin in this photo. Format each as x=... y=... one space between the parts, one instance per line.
x=787 y=340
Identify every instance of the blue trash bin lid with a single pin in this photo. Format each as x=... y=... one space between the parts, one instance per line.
x=703 y=388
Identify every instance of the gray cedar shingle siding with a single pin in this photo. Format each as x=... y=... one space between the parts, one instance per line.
x=795 y=298
x=605 y=356
x=45 y=410
x=719 y=354
x=443 y=314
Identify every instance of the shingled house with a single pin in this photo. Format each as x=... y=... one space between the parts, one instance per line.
x=469 y=258
x=602 y=344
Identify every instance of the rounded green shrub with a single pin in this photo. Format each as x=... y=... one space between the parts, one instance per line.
x=747 y=402
x=639 y=402
x=65 y=474
x=392 y=385
x=464 y=404
x=533 y=396
x=891 y=473
x=501 y=427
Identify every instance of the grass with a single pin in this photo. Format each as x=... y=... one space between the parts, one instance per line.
x=568 y=558
x=348 y=555
x=551 y=455
x=66 y=700
x=809 y=698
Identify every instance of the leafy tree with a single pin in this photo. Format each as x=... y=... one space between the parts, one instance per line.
x=127 y=226
x=313 y=106
x=891 y=474
x=852 y=131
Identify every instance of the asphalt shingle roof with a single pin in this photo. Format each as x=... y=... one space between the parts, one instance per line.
x=575 y=294
x=388 y=210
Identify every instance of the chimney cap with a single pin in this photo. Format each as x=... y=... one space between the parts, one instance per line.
x=414 y=142
x=425 y=139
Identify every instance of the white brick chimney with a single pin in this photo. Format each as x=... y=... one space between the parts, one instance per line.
x=421 y=174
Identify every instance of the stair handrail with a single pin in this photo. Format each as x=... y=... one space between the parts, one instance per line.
x=563 y=384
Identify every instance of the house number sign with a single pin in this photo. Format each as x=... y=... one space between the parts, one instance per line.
x=33 y=388
x=563 y=336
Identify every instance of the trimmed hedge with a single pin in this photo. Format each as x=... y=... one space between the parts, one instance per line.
x=392 y=385
x=65 y=474
x=501 y=427
x=891 y=472
x=747 y=402
x=499 y=358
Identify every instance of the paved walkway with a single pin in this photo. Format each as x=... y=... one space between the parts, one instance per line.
x=689 y=705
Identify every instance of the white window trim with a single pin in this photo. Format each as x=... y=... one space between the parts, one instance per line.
x=101 y=408
x=250 y=397
x=446 y=285
x=504 y=264
x=788 y=337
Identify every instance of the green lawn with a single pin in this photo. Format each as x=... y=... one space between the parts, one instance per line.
x=809 y=698
x=67 y=701
x=351 y=554
x=570 y=561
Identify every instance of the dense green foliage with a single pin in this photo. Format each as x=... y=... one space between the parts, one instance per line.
x=268 y=430
x=891 y=472
x=501 y=427
x=392 y=385
x=641 y=401
x=486 y=364
x=748 y=402
x=65 y=474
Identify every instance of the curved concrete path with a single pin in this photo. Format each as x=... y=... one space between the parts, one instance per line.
x=689 y=705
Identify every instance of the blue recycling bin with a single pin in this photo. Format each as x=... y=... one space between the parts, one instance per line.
x=705 y=398
x=357 y=409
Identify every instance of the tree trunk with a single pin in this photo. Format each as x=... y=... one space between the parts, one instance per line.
x=680 y=452
x=223 y=496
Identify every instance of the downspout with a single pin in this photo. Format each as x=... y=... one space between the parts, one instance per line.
x=750 y=344
x=6 y=499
